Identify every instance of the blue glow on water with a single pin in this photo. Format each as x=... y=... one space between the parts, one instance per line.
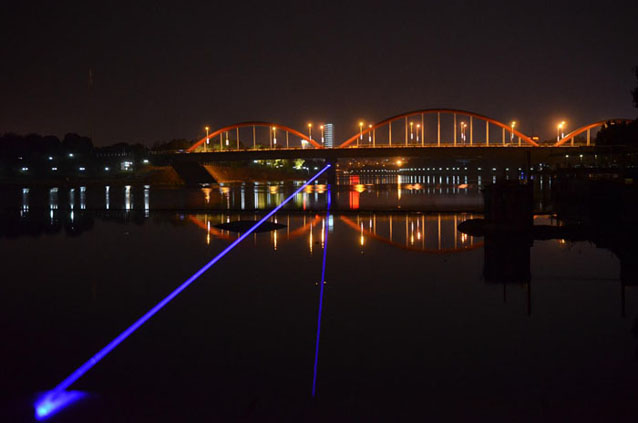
x=50 y=403
x=323 y=282
x=54 y=400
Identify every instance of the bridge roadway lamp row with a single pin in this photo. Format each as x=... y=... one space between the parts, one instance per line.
x=57 y=398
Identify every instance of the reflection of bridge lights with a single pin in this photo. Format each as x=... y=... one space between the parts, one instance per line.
x=273 y=189
x=206 y=192
x=359 y=188
x=399 y=162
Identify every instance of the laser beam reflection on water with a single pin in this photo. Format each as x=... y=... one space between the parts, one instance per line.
x=323 y=282
x=57 y=398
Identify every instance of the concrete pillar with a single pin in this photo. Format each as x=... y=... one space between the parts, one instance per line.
x=588 y=137
x=390 y=131
x=454 y=129
x=406 y=130
x=438 y=129
x=487 y=133
x=422 y=131
x=471 y=131
x=254 y=138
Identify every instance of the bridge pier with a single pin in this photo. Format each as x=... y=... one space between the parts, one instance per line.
x=331 y=174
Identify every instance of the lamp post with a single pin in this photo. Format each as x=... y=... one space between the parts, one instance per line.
x=513 y=125
x=322 y=138
x=206 y=145
x=463 y=126
x=274 y=136
x=360 y=132
x=559 y=131
x=309 y=133
x=370 y=133
x=418 y=131
x=411 y=131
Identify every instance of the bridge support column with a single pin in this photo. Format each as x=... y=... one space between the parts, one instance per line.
x=588 y=137
x=237 y=138
x=374 y=138
x=487 y=133
x=454 y=129
x=438 y=129
x=287 y=139
x=471 y=131
x=254 y=138
x=390 y=131
x=503 y=136
x=331 y=174
x=406 y=131
x=422 y=132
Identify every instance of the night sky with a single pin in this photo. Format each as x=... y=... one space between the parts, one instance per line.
x=163 y=71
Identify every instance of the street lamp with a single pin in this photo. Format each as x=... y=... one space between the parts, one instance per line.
x=274 y=135
x=513 y=125
x=463 y=126
x=206 y=145
x=559 y=131
x=226 y=138
x=360 y=131
x=370 y=133
x=322 y=138
x=411 y=130
x=418 y=131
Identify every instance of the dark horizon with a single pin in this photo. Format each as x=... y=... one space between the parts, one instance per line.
x=163 y=72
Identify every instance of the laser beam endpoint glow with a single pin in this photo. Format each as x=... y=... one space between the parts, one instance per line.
x=58 y=397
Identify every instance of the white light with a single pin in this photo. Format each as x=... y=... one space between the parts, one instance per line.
x=82 y=169
x=145 y=161
x=24 y=169
x=54 y=169
x=50 y=158
x=70 y=154
x=107 y=168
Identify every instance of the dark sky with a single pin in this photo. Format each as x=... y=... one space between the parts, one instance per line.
x=163 y=71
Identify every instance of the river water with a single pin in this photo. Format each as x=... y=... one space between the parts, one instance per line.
x=411 y=326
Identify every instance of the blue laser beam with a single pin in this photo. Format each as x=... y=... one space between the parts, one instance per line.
x=50 y=402
x=323 y=281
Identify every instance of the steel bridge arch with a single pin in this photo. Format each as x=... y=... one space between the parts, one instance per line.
x=253 y=123
x=386 y=121
x=585 y=128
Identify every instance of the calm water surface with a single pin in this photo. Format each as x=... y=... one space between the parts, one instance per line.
x=410 y=329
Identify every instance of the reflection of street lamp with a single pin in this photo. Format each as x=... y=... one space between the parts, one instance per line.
x=274 y=136
x=513 y=124
x=206 y=145
x=370 y=133
x=322 y=138
x=559 y=131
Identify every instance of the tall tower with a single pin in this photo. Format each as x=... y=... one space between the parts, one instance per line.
x=329 y=135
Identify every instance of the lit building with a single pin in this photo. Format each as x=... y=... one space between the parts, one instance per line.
x=329 y=135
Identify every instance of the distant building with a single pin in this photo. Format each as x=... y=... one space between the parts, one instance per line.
x=328 y=129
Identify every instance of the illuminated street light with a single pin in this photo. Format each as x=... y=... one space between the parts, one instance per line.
x=513 y=125
x=322 y=138
x=274 y=135
x=463 y=127
x=418 y=131
x=226 y=138
x=370 y=133
x=207 y=141
x=361 y=130
x=559 y=130
x=411 y=130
